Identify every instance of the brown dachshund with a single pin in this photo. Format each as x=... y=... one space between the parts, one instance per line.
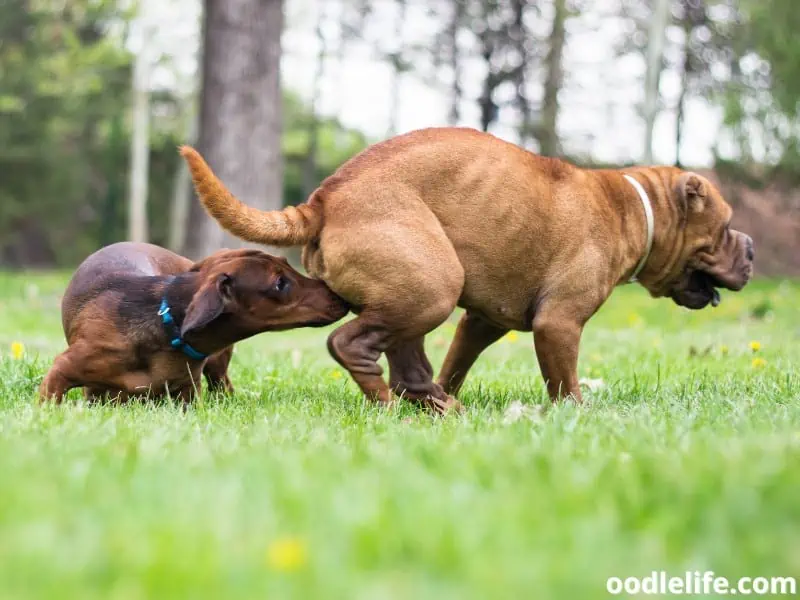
x=140 y=319
x=419 y=224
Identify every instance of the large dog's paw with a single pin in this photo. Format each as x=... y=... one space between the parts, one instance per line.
x=443 y=406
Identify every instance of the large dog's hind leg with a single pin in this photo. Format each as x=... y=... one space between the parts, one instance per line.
x=472 y=337
x=357 y=345
x=411 y=376
x=402 y=271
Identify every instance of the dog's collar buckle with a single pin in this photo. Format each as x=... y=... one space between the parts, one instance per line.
x=648 y=213
x=175 y=339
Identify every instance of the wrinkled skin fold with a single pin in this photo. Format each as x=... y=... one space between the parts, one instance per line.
x=443 y=217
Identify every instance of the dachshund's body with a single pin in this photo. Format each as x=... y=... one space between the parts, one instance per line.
x=113 y=318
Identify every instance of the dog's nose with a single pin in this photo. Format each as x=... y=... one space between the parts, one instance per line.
x=750 y=252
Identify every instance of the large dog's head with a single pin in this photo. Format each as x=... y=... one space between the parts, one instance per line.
x=706 y=254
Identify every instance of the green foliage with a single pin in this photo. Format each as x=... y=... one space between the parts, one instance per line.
x=683 y=462
x=773 y=26
x=65 y=134
x=64 y=78
x=336 y=144
x=765 y=87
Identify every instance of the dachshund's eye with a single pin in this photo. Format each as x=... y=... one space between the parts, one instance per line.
x=281 y=284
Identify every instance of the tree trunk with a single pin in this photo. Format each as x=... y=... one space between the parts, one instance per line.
x=397 y=66
x=140 y=149
x=554 y=77
x=454 y=116
x=488 y=107
x=655 y=52
x=182 y=193
x=240 y=113
x=310 y=163
x=520 y=79
x=681 y=108
x=694 y=15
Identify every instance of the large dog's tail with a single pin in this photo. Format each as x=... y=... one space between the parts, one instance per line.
x=292 y=226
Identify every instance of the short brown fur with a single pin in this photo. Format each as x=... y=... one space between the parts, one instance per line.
x=119 y=346
x=418 y=224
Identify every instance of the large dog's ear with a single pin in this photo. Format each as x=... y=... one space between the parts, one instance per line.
x=208 y=303
x=692 y=193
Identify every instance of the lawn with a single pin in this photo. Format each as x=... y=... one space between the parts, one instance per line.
x=685 y=457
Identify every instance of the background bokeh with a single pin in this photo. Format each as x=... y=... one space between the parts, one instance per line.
x=95 y=95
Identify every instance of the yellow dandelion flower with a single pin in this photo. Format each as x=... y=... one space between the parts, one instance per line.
x=755 y=346
x=336 y=374
x=17 y=350
x=287 y=554
x=512 y=336
x=634 y=319
x=723 y=350
x=758 y=363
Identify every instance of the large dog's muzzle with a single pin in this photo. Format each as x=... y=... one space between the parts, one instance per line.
x=730 y=267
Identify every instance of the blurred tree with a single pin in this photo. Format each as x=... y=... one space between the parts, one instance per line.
x=547 y=133
x=492 y=21
x=65 y=135
x=335 y=144
x=140 y=135
x=310 y=180
x=521 y=35
x=520 y=46
x=762 y=107
x=692 y=16
x=772 y=29
x=240 y=114
x=654 y=57
x=449 y=40
x=398 y=64
x=64 y=79
x=699 y=48
x=182 y=192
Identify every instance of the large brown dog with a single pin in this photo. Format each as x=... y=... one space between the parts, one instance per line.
x=418 y=224
x=140 y=319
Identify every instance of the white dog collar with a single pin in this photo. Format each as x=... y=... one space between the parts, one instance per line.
x=648 y=213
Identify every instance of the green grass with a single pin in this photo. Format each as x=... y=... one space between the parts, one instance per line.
x=688 y=459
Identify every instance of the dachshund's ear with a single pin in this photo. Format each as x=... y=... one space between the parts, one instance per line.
x=208 y=303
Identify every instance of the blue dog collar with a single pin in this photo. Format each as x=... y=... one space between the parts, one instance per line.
x=176 y=341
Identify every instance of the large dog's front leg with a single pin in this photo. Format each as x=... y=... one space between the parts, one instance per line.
x=556 y=336
x=473 y=336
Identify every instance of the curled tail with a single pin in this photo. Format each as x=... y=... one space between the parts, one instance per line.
x=292 y=226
